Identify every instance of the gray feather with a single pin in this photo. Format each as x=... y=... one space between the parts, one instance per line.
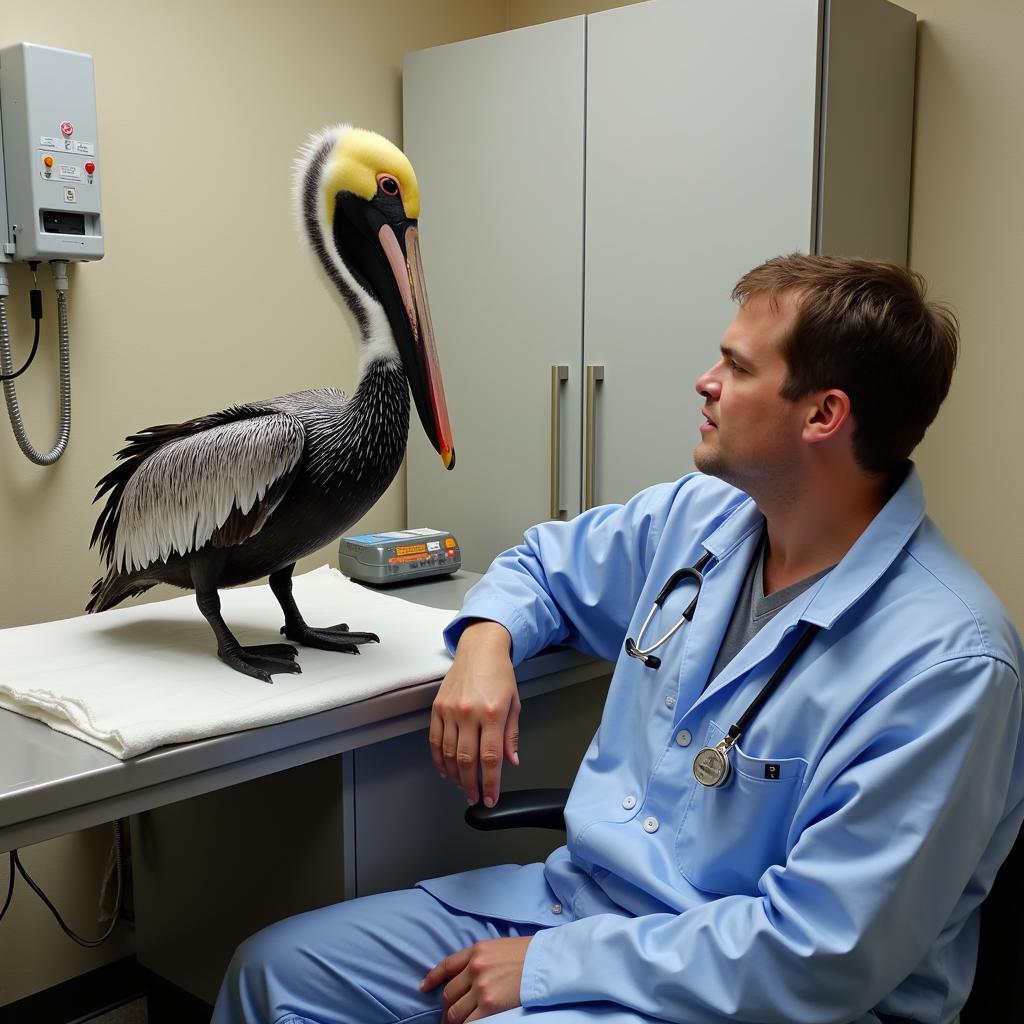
x=187 y=489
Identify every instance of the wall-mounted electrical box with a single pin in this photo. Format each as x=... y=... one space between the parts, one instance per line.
x=50 y=166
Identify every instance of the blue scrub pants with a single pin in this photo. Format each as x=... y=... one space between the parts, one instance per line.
x=361 y=962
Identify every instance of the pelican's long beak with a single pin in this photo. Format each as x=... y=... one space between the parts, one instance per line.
x=419 y=354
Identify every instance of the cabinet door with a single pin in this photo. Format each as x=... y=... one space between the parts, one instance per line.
x=495 y=128
x=701 y=163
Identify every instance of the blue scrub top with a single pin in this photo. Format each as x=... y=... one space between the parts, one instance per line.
x=870 y=804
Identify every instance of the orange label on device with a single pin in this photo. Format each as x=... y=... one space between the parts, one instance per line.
x=411 y=549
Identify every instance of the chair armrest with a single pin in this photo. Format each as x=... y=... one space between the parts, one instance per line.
x=523 y=808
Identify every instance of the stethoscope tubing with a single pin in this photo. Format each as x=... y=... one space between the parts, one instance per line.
x=773 y=684
x=695 y=573
x=711 y=765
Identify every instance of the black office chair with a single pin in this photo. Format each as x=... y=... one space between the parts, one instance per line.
x=998 y=992
x=997 y=996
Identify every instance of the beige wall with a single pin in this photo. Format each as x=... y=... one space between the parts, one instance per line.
x=967 y=238
x=163 y=334
x=204 y=298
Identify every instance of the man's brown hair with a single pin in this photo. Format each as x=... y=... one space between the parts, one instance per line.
x=864 y=327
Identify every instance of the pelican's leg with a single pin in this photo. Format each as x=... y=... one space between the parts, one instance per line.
x=333 y=638
x=260 y=661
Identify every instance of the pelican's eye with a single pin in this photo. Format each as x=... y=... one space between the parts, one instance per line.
x=388 y=185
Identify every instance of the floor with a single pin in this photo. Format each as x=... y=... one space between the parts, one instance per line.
x=131 y=1013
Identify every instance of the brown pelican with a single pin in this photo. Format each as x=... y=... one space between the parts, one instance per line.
x=236 y=495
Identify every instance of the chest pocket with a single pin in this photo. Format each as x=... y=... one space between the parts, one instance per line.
x=731 y=834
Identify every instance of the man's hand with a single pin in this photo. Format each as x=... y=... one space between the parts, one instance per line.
x=475 y=718
x=482 y=979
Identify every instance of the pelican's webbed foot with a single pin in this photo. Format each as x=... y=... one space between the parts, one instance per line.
x=333 y=638
x=262 y=660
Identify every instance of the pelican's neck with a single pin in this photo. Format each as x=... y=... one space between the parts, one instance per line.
x=380 y=366
x=377 y=345
x=379 y=376
x=379 y=408
x=363 y=438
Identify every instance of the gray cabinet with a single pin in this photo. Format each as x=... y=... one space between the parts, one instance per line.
x=495 y=130
x=592 y=189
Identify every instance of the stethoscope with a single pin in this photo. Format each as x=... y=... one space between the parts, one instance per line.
x=711 y=765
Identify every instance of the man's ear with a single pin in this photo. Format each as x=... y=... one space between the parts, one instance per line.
x=830 y=413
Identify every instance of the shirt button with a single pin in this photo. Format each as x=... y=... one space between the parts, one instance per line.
x=650 y=824
x=683 y=737
x=556 y=908
x=630 y=802
x=670 y=702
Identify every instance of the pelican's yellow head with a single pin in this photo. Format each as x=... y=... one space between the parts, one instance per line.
x=359 y=162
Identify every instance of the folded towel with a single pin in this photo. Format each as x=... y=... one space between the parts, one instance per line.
x=133 y=679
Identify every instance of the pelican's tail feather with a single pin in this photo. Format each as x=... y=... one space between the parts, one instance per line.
x=115 y=588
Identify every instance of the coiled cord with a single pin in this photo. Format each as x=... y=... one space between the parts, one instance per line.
x=7 y=370
x=31 y=356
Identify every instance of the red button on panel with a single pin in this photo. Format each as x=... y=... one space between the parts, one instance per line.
x=90 y=167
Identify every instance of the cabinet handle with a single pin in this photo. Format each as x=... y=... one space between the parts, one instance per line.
x=594 y=375
x=559 y=375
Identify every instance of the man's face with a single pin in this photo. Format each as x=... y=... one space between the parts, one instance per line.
x=751 y=434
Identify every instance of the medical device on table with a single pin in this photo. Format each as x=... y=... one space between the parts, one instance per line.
x=399 y=556
x=49 y=198
x=711 y=764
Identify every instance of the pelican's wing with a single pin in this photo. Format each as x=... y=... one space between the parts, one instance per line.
x=181 y=486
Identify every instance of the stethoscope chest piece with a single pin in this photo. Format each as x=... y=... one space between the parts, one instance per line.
x=711 y=765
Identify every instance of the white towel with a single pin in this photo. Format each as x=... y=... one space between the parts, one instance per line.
x=133 y=679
